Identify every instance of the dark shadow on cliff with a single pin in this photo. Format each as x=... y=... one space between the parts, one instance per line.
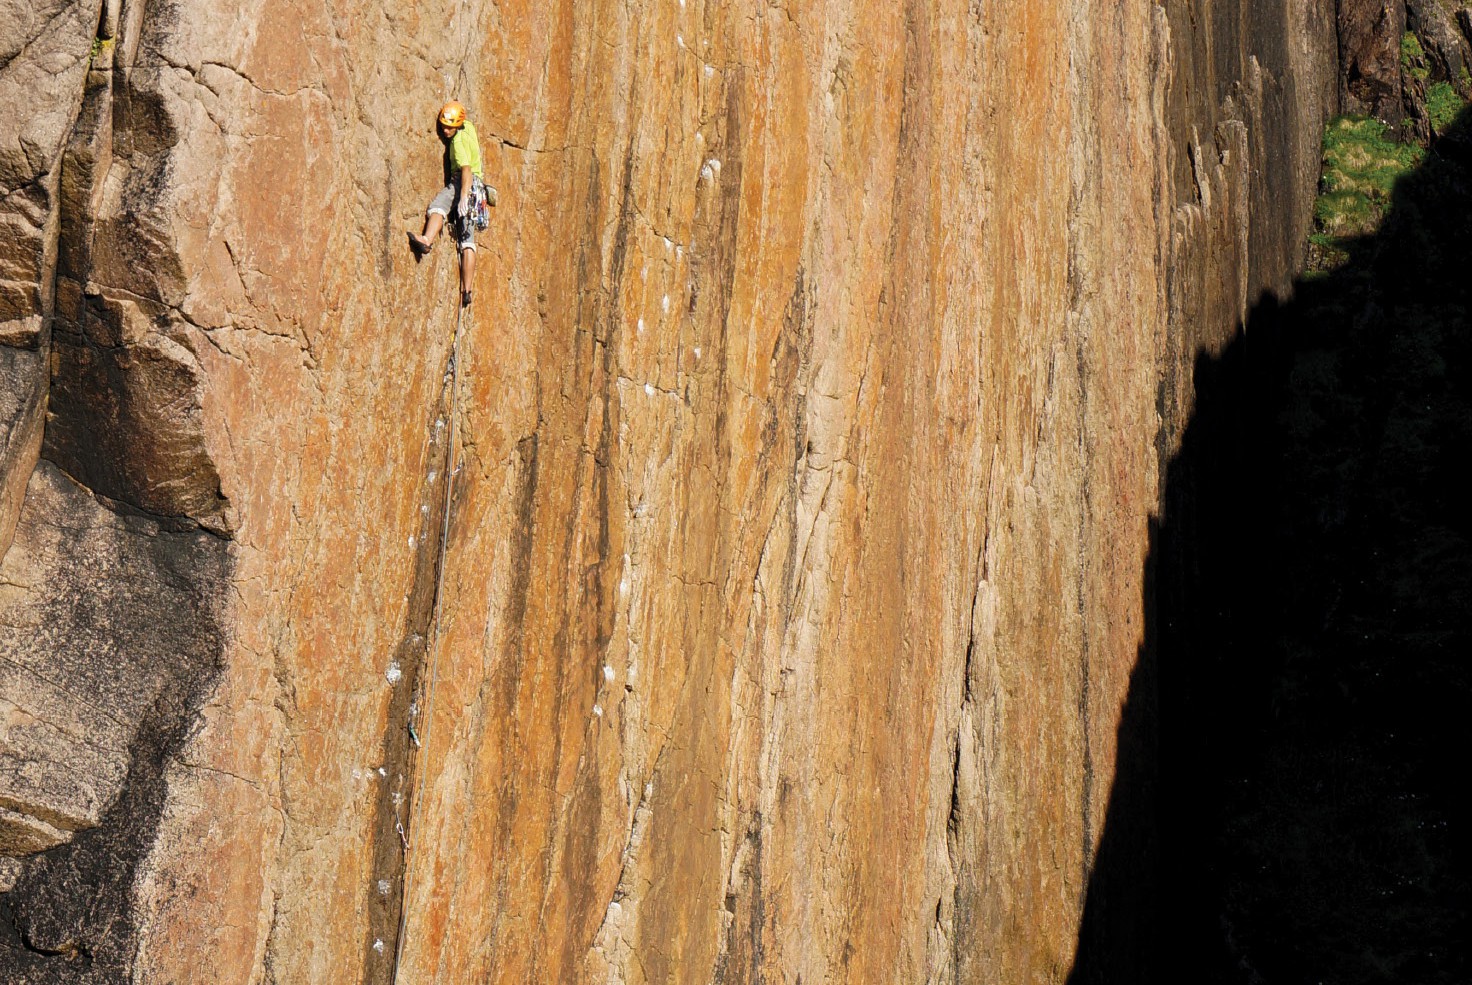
x=1292 y=760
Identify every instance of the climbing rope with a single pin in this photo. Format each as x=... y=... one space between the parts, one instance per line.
x=432 y=648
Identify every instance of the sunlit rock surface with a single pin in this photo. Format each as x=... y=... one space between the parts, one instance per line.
x=806 y=432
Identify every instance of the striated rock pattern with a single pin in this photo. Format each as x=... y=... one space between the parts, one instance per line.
x=753 y=597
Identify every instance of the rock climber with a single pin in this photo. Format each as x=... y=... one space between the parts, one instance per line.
x=463 y=182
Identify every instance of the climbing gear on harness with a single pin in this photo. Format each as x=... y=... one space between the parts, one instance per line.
x=452 y=115
x=476 y=214
x=480 y=204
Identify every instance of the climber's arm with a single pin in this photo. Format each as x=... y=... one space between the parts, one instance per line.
x=466 y=178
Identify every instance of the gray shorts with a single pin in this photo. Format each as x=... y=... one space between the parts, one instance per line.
x=444 y=204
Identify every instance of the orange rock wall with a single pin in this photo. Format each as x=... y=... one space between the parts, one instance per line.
x=807 y=436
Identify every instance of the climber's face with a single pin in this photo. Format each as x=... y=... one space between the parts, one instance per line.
x=446 y=133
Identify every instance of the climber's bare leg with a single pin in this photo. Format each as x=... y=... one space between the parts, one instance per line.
x=467 y=270
x=433 y=223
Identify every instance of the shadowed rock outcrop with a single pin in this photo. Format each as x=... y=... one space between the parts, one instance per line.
x=1286 y=807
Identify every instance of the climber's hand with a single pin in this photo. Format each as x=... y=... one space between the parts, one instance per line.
x=463 y=209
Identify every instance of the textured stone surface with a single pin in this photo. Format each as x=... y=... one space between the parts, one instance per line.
x=1436 y=23
x=809 y=420
x=44 y=55
x=43 y=60
x=1370 y=32
x=22 y=415
x=109 y=636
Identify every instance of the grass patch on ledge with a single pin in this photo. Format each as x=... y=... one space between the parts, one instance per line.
x=1362 y=163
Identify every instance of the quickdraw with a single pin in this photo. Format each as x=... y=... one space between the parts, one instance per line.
x=481 y=200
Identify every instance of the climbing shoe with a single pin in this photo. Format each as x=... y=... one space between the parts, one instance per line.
x=465 y=299
x=419 y=244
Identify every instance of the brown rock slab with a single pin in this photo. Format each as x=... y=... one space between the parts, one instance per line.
x=1370 y=33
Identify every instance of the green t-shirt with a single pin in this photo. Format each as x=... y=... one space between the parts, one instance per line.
x=464 y=151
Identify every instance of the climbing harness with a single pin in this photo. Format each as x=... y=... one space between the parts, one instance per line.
x=432 y=648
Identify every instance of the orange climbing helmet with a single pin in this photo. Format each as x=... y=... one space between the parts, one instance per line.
x=452 y=115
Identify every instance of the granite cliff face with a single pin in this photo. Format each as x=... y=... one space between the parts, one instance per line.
x=801 y=452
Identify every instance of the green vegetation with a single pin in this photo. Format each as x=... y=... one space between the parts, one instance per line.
x=1443 y=103
x=1410 y=48
x=1413 y=57
x=1361 y=166
x=1363 y=162
x=99 y=45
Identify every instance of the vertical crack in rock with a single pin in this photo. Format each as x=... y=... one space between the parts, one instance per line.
x=611 y=939
x=409 y=671
x=740 y=958
x=31 y=215
x=112 y=610
x=126 y=413
x=1081 y=601
x=589 y=625
x=506 y=696
x=966 y=765
x=127 y=388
